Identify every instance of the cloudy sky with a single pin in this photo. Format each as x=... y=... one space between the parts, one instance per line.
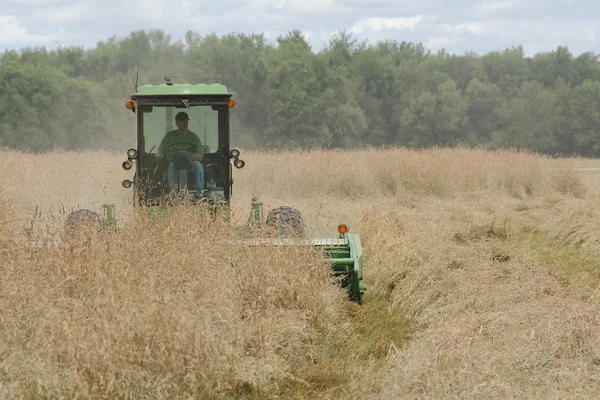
x=456 y=25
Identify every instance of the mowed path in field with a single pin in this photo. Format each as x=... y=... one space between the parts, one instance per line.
x=490 y=260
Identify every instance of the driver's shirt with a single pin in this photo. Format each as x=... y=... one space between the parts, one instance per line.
x=174 y=140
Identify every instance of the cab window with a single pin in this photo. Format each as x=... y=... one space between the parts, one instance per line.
x=158 y=120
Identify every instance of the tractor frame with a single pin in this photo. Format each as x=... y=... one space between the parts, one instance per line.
x=209 y=108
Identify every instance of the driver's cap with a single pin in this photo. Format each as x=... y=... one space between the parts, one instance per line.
x=181 y=116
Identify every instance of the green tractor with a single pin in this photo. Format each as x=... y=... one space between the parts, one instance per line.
x=183 y=153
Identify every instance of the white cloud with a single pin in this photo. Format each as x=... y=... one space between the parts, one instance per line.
x=11 y=31
x=474 y=28
x=63 y=15
x=591 y=33
x=585 y=30
x=454 y=34
x=37 y=2
x=158 y=11
x=309 y=6
x=294 y=6
x=438 y=42
x=488 y=8
x=468 y=25
x=262 y=4
x=379 y=24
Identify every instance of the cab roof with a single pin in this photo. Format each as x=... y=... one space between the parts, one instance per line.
x=214 y=89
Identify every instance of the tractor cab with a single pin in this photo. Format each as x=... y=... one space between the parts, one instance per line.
x=183 y=144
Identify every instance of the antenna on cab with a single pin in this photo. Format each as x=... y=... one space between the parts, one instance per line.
x=137 y=75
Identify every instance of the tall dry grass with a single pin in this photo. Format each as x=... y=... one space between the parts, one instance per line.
x=396 y=172
x=166 y=309
x=326 y=185
x=462 y=303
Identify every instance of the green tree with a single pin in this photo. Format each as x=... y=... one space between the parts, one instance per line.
x=485 y=110
x=295 y=118
x=434 y=119
x=548 y=67
x=508 y=69
x=586 y=124
x=349 y=94
x=529 y=120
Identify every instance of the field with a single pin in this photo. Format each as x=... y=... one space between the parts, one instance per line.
x=482 y=271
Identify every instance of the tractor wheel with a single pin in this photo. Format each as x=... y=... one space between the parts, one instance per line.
x=83 y=219
x=286 y=221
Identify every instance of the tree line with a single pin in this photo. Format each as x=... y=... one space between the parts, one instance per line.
x=348 y=94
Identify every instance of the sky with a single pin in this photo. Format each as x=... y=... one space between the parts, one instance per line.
x=456 y=25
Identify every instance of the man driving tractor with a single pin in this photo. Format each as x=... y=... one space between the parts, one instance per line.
x=182 y=139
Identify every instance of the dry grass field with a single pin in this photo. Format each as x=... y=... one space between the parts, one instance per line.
x=482 y=271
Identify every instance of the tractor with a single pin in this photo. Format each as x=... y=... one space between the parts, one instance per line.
x=183 y=152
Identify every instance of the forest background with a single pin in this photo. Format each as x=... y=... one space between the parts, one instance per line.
x=349 y=94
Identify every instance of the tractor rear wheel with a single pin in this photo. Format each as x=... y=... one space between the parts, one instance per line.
x=83 y=219
x=286 y=221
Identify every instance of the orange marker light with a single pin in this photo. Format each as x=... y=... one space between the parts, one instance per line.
x=130 y=104
x=342 y=229
x=231 y=103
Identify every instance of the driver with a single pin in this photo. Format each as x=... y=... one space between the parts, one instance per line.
x=182 y=139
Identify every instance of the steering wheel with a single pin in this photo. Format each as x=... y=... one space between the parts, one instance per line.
x=177 y=154
x=191 y=147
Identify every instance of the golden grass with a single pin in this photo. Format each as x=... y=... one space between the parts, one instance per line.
x=393 y=172
x=466 y=295
x=160 y=309
x=492 y=320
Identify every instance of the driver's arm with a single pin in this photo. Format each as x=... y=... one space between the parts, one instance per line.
x=162 y=148
x=199 y=154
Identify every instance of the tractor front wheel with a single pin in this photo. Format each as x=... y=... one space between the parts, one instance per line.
x=83 y=219
x=286 y=221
